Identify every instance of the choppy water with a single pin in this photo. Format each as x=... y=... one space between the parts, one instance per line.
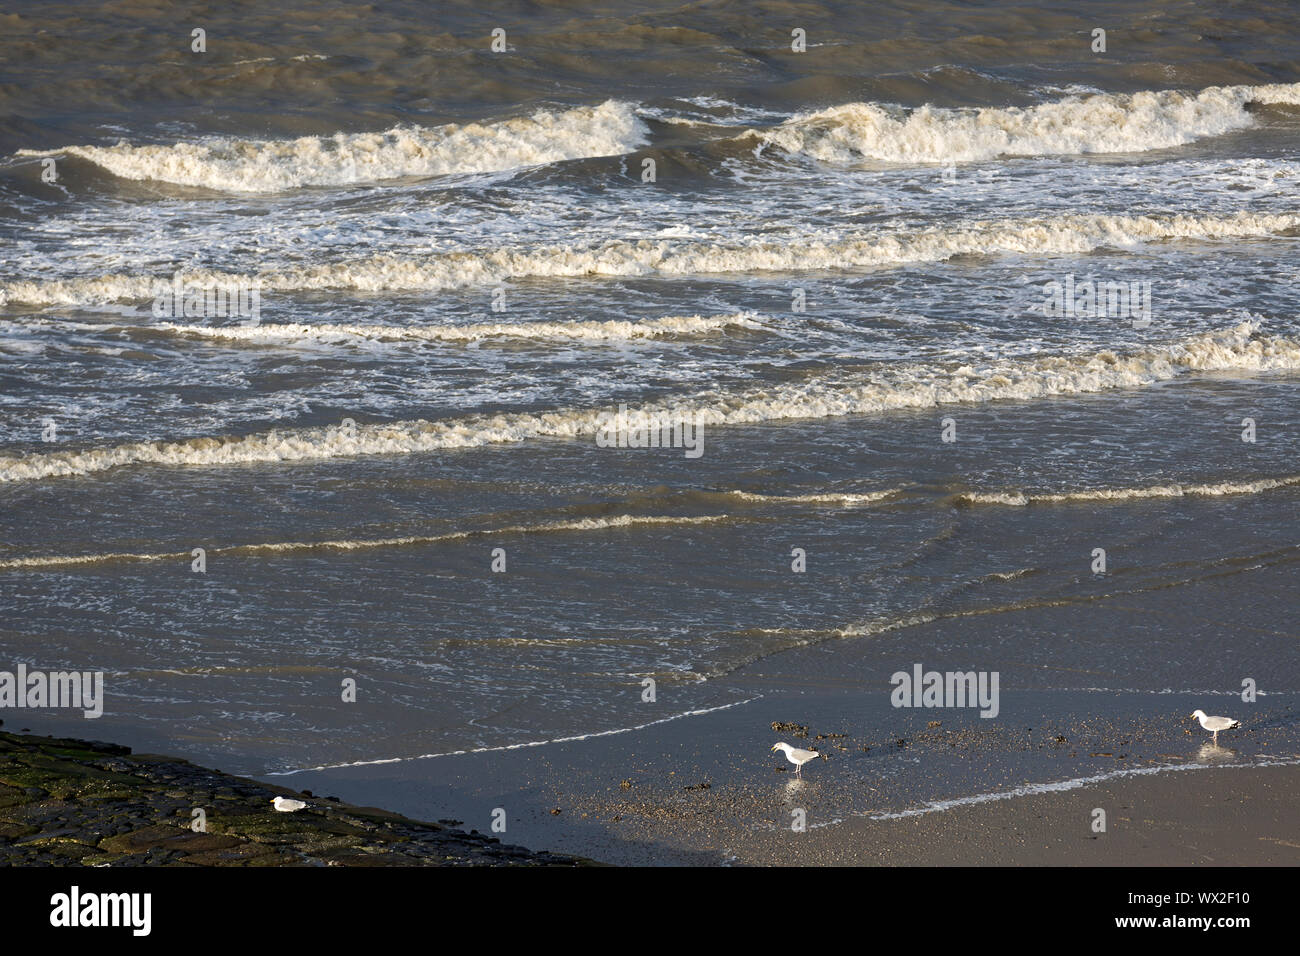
x=461 y=267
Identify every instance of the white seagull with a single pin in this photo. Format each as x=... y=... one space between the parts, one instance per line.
x=796 y=756
x=1215 y=724
x=286 y=805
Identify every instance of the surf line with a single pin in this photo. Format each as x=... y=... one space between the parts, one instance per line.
x=1035 y=789
x=522 y=746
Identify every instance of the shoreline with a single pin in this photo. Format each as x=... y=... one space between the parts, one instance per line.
x=71 y=802
x=707 y=792
x=1248 y=817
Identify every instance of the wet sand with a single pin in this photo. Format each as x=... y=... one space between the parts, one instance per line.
x=703 y=790
x=919 y=785
x=1210 y=817
x=1092 y=713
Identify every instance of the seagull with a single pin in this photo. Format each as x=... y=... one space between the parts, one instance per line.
x=796 y=756
x=286 y=805
x=1215 y=724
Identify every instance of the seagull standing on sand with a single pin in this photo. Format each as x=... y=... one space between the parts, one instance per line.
x=286 y=805
x=796 y=756
x=1215 y=724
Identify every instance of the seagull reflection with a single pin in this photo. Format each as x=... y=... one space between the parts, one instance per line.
x=1215 y=753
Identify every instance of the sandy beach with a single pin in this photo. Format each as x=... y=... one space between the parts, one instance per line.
x=1204 y=808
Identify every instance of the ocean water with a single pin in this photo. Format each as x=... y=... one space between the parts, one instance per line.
x=460 y=262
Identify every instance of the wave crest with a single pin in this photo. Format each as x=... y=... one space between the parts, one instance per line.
x=614 y=330
x=1064 y=235
x=263 y=166
x=1099 y=123
x=1020 y=499
x=924 y=386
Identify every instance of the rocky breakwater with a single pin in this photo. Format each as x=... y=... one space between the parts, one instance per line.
x=66 y=802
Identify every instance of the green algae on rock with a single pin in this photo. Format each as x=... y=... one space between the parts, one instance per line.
x=70 y=802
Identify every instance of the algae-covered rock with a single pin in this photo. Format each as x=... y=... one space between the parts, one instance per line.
x=70 y=802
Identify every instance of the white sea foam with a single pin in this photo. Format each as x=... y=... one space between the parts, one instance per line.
x=1075 y=783
x=360 y=544
x=1061 y=235
x=895 y=387
x=1100 y=123
x=247 y=165
x=594 y=331
x=1166 y=691
x=523 y=746
x=1020 y=499
x=845 y=499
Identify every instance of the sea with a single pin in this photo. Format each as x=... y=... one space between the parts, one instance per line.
x=389 y=380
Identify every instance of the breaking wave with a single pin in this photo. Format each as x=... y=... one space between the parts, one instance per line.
x=595 y=331
x=895 y=387
x=1020 y=499
x=1063 y=235
x=1100 y=123
x=262 y=166
x=839 y=499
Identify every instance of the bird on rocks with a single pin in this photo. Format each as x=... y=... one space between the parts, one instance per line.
x=1215 y=724
x=287 y=805
x=796 y=756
